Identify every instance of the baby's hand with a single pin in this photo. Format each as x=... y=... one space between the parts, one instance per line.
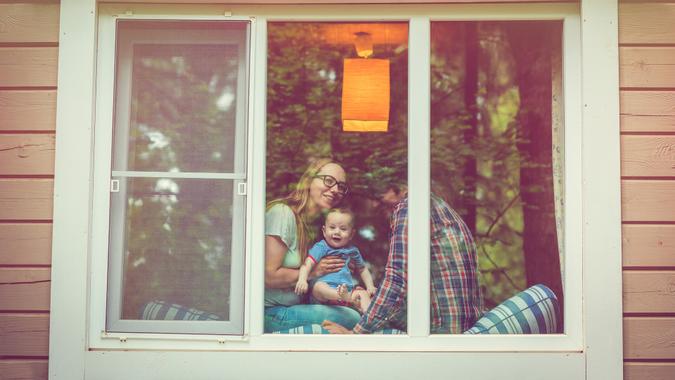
x=301 y=287
x=371 y=290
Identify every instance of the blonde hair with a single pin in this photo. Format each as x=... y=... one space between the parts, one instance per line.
x=298 y=201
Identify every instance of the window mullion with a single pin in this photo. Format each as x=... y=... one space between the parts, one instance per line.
x=418 y=176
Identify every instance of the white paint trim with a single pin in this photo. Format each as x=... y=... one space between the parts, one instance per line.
x=72 y=189
x=72 y=208
x=601 y=190
x=192 y=175
x=419 y=176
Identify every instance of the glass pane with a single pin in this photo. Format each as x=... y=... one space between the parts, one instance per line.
x=185 y=102
x=336 y=112
x=496 y=159
x=177 y=243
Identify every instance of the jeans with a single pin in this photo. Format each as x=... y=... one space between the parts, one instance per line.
x=287 y=317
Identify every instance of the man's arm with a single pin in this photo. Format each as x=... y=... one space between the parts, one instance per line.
x=391 y=295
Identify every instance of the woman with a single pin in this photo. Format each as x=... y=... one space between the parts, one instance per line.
x=288 y=236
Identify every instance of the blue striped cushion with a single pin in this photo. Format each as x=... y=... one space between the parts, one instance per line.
x=532 y=311
x=161 y=310
x=317 y=329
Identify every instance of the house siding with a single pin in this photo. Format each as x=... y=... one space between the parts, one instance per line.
x=28 y=68
x=647 y=80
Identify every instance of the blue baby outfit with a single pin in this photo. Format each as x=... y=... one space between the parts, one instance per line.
x=343 y=276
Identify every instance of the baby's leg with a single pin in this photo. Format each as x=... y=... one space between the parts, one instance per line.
x=360 y=300
x=325 y=293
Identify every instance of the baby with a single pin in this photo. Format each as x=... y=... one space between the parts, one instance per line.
x=337 y=287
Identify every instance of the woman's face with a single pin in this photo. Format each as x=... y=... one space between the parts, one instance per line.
x=325 y=197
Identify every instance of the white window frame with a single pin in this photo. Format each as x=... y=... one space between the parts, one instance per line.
x=108 y=222
x=592 y=210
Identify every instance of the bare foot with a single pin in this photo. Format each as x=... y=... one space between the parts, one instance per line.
x=360 y=300
x=343 y=293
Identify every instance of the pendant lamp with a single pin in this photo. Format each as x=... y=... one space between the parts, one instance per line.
x=365 y=90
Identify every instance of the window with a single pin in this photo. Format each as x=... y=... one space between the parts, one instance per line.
x=182 y=130
x=178 y=180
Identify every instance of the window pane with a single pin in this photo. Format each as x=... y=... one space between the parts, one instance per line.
x=496 y=164
x=177 y=221
x=177 y=243
x=185 y=99
x=326 y=100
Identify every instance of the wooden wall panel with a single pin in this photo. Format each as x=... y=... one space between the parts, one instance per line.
x=649 y=371
x=646 y=67
x=649 y=338
x=28 y=66
x=647 y=23
x=648 y=200
x=648 y=291
x=648 y=156
x=24 y=289
x=24 y=335
x=31 y=110
x=648 y=245
x=23 y=369
x=26 y=199
x=25 y=243
x=29 y=34
x=19 y=23
x=647 y=111
x=27 y=154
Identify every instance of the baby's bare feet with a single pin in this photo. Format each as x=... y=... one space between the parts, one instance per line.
x=343 y=293
x=360 y=300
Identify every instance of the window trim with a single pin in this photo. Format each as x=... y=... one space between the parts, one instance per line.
x=104 y=231
x=73 y=182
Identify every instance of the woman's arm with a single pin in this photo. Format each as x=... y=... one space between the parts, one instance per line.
x=276 y=276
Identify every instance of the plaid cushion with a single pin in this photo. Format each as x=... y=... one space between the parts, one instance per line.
x=532 y=311
x=161 y=310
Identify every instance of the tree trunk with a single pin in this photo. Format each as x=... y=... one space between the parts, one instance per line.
x=470 y=91
x=532 y=44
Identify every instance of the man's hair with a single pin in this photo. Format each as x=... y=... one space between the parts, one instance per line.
x=341 y=210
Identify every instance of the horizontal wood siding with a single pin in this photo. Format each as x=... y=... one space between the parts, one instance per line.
x=23 y=369
x=27 y=154
x=24 y=289
x=27 y=110
x=647 y=77
x=651 y=245
x=25 y=244
x=29 y=34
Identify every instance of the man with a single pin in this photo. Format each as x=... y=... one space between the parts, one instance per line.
x=456 y=299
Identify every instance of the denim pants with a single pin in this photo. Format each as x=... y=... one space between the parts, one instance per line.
x=287 y=317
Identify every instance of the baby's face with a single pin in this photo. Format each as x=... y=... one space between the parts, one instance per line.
x=338 y=230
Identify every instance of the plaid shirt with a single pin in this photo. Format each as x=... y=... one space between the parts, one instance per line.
x=456 y=299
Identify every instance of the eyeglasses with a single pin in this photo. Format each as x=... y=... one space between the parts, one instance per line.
x=329 y=181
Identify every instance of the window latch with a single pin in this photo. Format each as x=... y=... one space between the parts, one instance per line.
x=241 y=188
x=114 y=185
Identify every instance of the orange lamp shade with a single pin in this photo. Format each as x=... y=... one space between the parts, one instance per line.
x=365 y=95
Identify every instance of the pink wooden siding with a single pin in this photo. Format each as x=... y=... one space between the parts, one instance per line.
x=647 y=66
x=28 y=67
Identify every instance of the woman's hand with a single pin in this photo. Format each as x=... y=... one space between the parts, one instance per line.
x=371 y=290
x=328 y=264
